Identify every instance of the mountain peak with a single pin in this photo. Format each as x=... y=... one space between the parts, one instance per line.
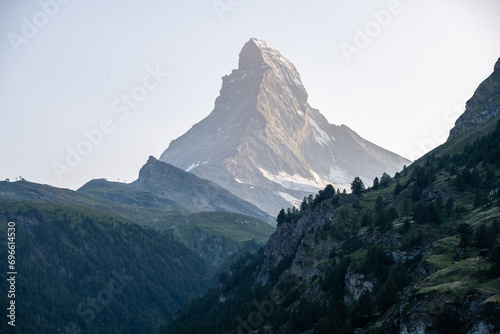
x=264 y=142
x=259 y=56
x=256 y=53
x=152 y=159
x=497 y=65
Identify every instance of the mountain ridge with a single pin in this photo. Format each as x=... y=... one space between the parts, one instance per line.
x=164 y=186
x=483 y=105
x=199 y=231
x=190 y=191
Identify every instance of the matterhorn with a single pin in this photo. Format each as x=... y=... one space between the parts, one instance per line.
x=264 y=143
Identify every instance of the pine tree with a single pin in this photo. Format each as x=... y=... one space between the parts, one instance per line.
x=281 y=217
x=485 y=237
x=495 y=262
x=449 y=206
x=362 y=313
x=460 y=183
x=393 y=213
x=357 y=186
x=388 y=295
x=398 y=189
x=323 y=327
x=303 y=205
x=366 y=220
x=464 y=231
x=385 y=180
x=406 y=207
x=379 y=204
x=383 y=221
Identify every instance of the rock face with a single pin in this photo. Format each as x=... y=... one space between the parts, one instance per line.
x=288 y=241
x=266 y=144
x=484 y=104
x=191 y=192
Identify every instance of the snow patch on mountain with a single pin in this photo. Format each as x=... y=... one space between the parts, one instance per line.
x=320 y=136
x=341 y=176
x=239 y=181
x=287 y=197
x=295 y=182
x=193 y=166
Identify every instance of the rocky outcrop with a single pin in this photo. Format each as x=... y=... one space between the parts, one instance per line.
x=264 y=142
x=419 y=312
x=287 y=243
x=484 y=105
x=355 y=285
x=209 y=247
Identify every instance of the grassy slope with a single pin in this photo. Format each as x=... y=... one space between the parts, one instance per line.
x=458 y=144
x=236 y=228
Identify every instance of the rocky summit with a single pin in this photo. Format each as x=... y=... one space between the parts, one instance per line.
x=264 y=142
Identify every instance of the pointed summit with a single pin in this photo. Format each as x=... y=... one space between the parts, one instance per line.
x=251 y=56
x=256 y=53
x=264 y=142
x=259 y=56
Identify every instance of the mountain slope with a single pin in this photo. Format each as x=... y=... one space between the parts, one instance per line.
x=419 y=254
x=264 y=142
x=390 y=261
x=191 y=192
x=479 y=118
x=483 y=105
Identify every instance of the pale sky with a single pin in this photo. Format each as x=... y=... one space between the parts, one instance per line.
x=90 y=76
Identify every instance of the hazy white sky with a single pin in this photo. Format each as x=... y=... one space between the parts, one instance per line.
x=89 y=76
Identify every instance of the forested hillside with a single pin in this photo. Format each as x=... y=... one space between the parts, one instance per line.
x=81 y=268
x=119 y=263
x=417 y=252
